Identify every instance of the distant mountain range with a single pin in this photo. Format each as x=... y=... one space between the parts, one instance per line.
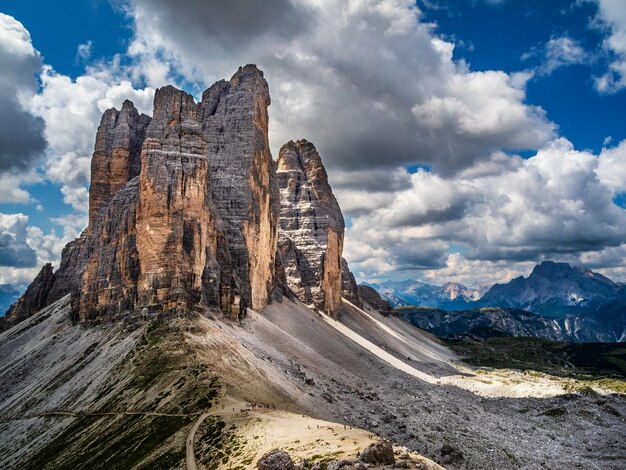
x=450 y=296
x=556 y=301
x=8 y=295
x=556 y=290
x=491 y=322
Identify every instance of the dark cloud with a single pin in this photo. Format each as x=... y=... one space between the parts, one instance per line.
x=14 y=251
x=21 y=133
x=16 y=256
x=367 y=82
x=21 y=136
x=228 y=23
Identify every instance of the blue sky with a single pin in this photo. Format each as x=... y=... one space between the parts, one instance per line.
x=475 y=166
x=510 y=35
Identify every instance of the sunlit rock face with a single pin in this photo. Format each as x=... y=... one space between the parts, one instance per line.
x=244 y=190
x=116 y=157
x=183 y=209
x=311 y=227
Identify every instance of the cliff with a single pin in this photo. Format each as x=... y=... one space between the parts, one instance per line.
x=311 y=227
x=183 y=210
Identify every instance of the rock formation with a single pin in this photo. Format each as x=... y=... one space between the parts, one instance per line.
x=311 y=227
x=373 y=299
x=245 y=195
x=183 y=209
x=116 y=157
x=349 y=287
x=34 y=299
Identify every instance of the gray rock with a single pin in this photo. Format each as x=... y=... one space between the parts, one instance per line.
x=380 y=452
x=276 y=460
x=311 y=227
x=374 y=300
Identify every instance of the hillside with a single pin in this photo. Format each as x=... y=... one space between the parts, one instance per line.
x=110 y=387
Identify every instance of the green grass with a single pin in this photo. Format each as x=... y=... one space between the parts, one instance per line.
x=601 y=364
x=579 y=360
x=160 y=374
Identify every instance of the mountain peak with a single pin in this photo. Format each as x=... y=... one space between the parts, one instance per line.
x=555 y=289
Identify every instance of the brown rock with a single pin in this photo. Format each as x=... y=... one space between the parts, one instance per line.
x=183 y=209
x=380 y=452
x=276 y=460
x=117 y=155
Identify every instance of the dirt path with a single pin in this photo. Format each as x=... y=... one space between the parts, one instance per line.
x=190 y=458
x=80 y=414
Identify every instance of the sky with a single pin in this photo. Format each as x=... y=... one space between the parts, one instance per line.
x=465 y=140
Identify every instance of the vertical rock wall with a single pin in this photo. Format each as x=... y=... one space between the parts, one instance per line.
x=184 y=213
x=235 y=121
x=311 y=227
x=116 y=157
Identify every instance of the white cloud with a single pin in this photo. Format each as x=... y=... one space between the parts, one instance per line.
x=612 y=167
x=391 y=86
x=84 y=50
x=24 y=248
x=557 y=204
x=14 y=250
x=612 y=15
x=562 y=51
x=11 y=183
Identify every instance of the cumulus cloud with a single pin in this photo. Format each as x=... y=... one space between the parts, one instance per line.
x=371 y=69
x=557 y=204
x=377 y=91
x=14 y=249
x=21 y=133
x=612 y=16
x=24 y=248
x=72 y=110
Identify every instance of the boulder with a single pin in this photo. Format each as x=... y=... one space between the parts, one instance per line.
x=380 y=452
x=276 y=460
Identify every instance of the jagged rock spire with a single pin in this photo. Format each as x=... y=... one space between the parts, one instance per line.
x=183 y=209
x=311 y=227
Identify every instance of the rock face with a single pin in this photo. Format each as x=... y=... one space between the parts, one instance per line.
x=245 y=194
x=349 y=287
x=183 y=210
x=311 y=227
x=370 y=296
x=116 y=157
x=34 y=299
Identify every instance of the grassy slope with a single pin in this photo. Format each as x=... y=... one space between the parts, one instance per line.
x=163 y=391
x=584 y=361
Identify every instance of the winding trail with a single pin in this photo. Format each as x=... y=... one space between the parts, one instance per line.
x=189 y=455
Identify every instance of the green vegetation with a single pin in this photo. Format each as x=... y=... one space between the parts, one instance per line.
x=579 y=360
x=601 y=364
x=217 y=445
x=152 y=399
